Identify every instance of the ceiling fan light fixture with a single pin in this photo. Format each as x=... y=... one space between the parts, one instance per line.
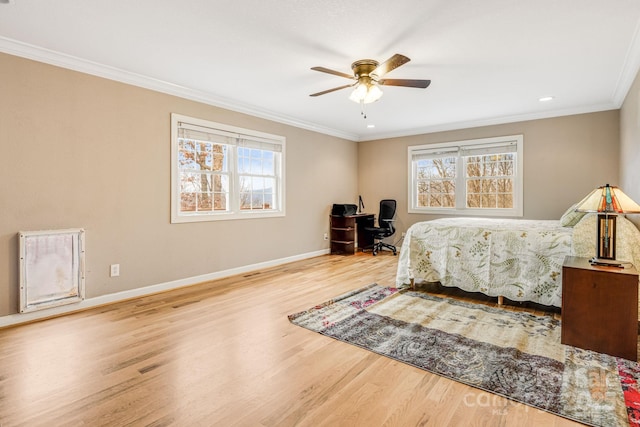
x=368 y=75
x=366 y=93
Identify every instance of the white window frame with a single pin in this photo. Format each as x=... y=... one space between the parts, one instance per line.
x=235 y=135
x=456 y=149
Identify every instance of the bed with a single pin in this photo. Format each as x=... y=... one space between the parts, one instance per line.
x=517 y=259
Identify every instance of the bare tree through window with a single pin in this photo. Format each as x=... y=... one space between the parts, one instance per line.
x=478 y=176
x=490 y=181
x=203 y=176
x=222 y=172
x=436 y=182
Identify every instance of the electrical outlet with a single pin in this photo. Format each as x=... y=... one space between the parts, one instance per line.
x=326 y=236
x=115 y=270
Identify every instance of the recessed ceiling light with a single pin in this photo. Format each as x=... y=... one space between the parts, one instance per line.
x=371 y=126
x=546 y=99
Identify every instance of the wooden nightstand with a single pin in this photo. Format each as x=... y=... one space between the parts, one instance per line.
x=600 y=308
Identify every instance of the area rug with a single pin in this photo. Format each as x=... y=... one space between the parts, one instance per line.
x=513 y=354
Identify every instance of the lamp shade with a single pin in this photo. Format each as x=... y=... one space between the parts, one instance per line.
x=607 y=199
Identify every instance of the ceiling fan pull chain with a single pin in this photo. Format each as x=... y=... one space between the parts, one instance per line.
x=362 y=112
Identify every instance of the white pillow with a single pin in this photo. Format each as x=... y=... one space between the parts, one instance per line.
x=571 y=217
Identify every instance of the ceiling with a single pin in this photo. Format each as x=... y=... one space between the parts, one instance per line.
x=489 y=61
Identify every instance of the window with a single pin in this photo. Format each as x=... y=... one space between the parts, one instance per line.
x=474 y=177
x=223 y=172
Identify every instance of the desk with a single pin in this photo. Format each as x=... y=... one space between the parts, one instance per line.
x=600 y=308
x=348 y=230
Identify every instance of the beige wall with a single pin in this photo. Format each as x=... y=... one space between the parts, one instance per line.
x=81 y=151
x=630 y=145
x=565 y=158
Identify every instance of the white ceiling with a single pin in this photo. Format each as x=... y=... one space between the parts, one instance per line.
x=489 y=60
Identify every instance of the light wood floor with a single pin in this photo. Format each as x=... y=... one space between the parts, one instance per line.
x=224 y=354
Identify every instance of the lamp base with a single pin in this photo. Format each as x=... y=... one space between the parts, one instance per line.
x=606 y=248
x=605 y=262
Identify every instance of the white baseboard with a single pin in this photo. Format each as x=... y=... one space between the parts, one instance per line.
x=18 y=318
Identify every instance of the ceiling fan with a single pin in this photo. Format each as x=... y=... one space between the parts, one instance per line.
x=367 y=74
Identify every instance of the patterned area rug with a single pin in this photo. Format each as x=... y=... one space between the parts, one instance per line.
x=513 y=354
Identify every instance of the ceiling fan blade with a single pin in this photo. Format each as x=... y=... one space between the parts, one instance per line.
x=331 y=90
x=405 y=82
x=335 y=73
x=390 y=64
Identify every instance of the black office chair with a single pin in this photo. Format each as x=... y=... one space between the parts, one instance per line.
x=385 y=226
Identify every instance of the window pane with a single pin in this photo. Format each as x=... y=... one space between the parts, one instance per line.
x=202 y=156
x=269 y=185
x=474 y=186
x=505 y=168
x=220 y=162
x=505 y=185
x=268 y=201
x=245 y=184
x=198 y=191
x=188 y=202
x=257 y=184
x=205 y=202
x=449 y=200
x=256 y=165
x=486 y=187
x=489 y=186
x=473 y=200
x=257 y=179
x=488 y=201
x=205 y=156
x=505 y=201
x=189 y=182
x=220 y=202
x=187 y=144
x=268 y=165
x=257 y=193
x=204 y=182
x=187 y=160
x=436 y=193
x=221 y=183
x=436 y=182
x=243 y=165
x=257 y=201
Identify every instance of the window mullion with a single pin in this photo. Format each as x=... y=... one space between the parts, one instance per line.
x=234 y=179
x=277 y=165
x=461 y=184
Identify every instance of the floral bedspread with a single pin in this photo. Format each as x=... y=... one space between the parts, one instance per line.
x=518 y=259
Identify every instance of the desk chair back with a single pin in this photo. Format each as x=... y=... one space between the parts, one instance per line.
x=385 y=226
x=386 y=215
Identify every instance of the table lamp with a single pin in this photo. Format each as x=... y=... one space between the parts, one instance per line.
x=607 y=201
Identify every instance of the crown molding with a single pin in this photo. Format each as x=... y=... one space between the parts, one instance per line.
x=36 y=53
x=495 y=121
x=629 y=69
x=48 y=56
